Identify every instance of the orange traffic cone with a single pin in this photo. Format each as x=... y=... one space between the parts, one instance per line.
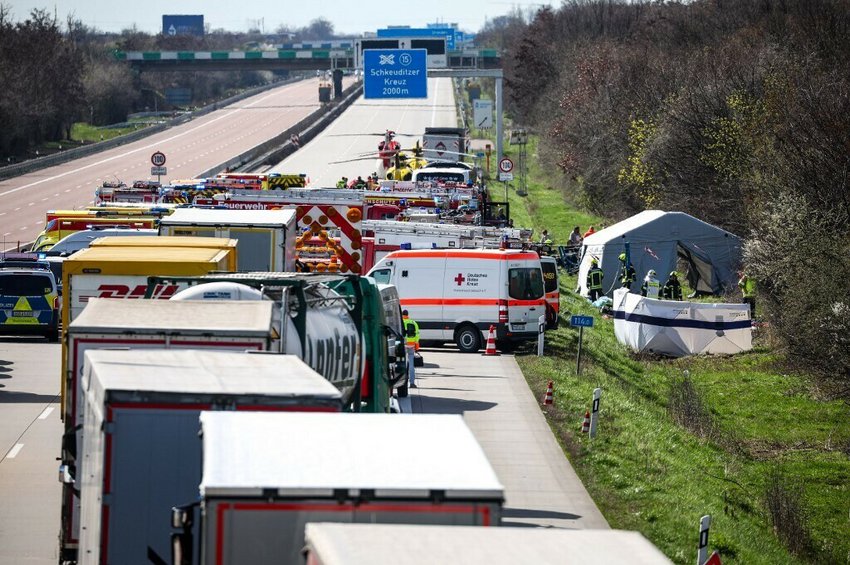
x=549 y=397
x=491 y=342
x=585 y=425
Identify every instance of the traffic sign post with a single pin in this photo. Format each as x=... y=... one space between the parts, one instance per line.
x=581 y=322
x=395 y=73
x=158 y=162
x=505 y=174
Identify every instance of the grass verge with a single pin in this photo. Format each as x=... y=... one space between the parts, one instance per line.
x=738 y=438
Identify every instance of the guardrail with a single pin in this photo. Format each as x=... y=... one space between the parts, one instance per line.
x=67 y=155
x=279 y=147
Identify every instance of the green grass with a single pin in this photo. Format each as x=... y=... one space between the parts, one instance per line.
x=650 y=474
x=82 y=131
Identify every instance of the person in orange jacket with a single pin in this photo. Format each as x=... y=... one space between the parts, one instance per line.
x=589 y=231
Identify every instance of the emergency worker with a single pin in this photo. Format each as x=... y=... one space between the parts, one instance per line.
x=594 y=281
x=748 y=289
x=650 y=288
x=627 y=273
x=342 y=183
x=672 y=288
x=412 y=346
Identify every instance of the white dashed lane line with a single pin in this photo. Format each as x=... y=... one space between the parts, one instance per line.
x=46 y=413
x=15 y=450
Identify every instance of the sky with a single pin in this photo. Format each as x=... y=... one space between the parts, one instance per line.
x=348 y=16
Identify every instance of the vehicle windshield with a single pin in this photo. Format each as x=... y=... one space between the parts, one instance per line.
x=526 y=283
x=25 y=284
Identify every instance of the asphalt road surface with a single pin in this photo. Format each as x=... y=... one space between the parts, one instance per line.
x=30 y=437
x=190 y=148
x=359 y=130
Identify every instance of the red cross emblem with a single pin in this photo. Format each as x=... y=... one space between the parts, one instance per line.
x=459 y=279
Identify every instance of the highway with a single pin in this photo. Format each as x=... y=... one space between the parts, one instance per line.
x=190 y=148
x=361 y=128
x=541 y=487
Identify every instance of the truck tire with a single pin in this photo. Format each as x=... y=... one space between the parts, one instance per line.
x=468 y=338
x=402 y=391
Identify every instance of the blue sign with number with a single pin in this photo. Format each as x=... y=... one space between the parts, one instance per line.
x=581 y=321
x=395 y=73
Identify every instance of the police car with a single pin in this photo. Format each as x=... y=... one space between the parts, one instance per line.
x=29 y=297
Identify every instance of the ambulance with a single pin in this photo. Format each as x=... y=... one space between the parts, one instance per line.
x=457 y=294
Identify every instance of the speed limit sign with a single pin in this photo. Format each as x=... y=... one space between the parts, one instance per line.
x=158 y=159
x=506 y=165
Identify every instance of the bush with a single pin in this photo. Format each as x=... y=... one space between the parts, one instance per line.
x=783 y=501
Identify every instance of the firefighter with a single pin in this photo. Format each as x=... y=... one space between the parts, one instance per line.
x=650 y=287
x=748 y=289
x=342 y=183
x=594 y=281
x=627 y=273
x=411 y=332
x=672 y=289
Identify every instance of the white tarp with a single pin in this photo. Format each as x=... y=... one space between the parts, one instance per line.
x=680 y=328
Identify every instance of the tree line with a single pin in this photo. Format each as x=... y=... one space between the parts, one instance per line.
x=55 y=74
x=734 y=111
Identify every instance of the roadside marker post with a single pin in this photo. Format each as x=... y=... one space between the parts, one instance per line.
x=581 y=322
x=541 y=328
x=594 y=411
x=702 y=551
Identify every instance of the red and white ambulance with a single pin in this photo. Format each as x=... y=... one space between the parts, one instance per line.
x=457 y=294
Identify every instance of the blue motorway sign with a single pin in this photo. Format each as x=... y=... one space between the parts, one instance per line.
x=395 y=73
x=182 y=25
x=581 y=321
x=447 y=32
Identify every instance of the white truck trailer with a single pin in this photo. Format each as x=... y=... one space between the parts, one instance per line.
x=378 y=468
x=376 y=544
x=266 y=237
x=142 y=453
x=144 y=324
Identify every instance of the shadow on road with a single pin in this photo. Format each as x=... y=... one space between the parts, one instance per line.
x=14 y=397
x=532 y=513
x=440 y=405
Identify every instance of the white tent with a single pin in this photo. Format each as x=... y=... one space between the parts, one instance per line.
x=655 y=240
x=680 y=328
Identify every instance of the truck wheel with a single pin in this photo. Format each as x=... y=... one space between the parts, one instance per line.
x=402 y=391
x=468 y=339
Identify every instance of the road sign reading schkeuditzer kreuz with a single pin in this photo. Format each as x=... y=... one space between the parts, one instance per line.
x=395 y=73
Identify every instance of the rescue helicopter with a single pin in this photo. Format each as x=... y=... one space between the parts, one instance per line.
x=388 y=147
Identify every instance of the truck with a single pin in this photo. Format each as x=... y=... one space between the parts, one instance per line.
x=382 y=237
x=182 y=242
x=122 y=272
x=142 y=454
x=457 y=295
x=265 y=237
x=255 y=501
x=442 y=144
x=372 y=544
x=329 y=213
x=57 y=229
x=336 y=323
x=150 y=324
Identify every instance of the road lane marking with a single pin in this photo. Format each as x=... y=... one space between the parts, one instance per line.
x=46 y=413
x=15 y=450
x=144 y=148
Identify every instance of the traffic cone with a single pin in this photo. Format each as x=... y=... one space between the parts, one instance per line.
x=585 y=425
x=491 y=342
x=549 y=397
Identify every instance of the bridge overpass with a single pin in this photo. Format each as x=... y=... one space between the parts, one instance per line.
x=304 y=59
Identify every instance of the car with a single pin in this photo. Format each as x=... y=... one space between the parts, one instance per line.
x=73 y=242
x=29 y=296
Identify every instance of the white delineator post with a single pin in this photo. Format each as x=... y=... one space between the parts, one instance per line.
x=594 y=412
x=702 y=551
x=541 y=328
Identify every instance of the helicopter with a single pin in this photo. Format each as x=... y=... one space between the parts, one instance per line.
x=388 y=147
